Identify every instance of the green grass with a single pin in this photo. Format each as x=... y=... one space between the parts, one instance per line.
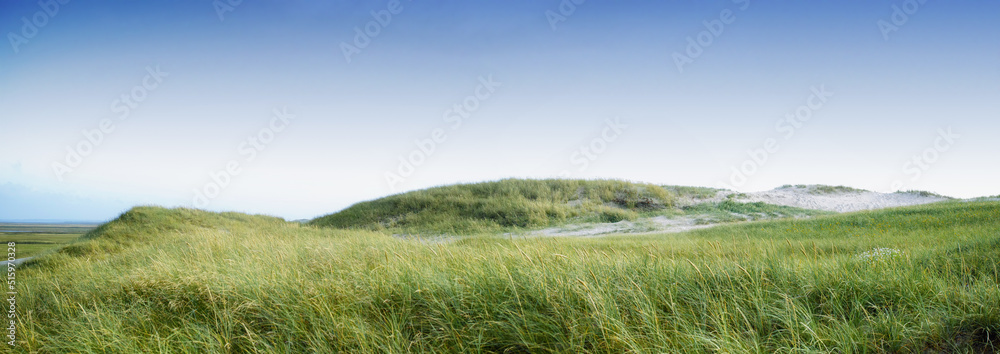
x=515 y=205
x=822 y=189
x=30 y=244
x=924 y=194
x=732 y=211
x=693 y=192
x=180 y=280
x=504 y=205
x=737 y=196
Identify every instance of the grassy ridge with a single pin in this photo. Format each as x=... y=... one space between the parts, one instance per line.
x=158 y=280
x=502 y=205
x=820 y=189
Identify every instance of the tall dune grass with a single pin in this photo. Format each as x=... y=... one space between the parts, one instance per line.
x=502 y=205
x=179 y=280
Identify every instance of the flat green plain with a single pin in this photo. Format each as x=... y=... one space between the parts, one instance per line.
x=33 y=239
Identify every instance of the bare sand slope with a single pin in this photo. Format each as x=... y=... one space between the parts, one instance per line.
x=836 y=199
x=839 y=199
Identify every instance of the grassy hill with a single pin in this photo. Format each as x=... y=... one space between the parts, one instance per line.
x=917 y=279
x=503 y=205
x=518 y=204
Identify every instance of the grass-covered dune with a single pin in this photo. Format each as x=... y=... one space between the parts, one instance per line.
x=501 y=205
x=180 y=280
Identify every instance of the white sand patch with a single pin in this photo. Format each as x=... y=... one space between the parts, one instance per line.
x=806 y=197
x=809 y=197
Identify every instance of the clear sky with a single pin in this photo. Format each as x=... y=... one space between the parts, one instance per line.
x=301 y=108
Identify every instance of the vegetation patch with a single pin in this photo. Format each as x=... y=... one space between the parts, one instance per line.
x=693 y=192
x=737 y=196
x=924 y=194
x=503 y=205
x=730 y=210
x=822 y=189
x=181 y=280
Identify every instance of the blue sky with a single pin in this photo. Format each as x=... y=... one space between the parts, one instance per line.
x=544 y=89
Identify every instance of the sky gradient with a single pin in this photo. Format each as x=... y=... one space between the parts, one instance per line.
x=474 y=91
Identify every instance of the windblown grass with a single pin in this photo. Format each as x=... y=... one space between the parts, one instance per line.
x=820 y=189
x=824 y=189
x=179 y=280
x=924 y=194
x=502 y=205
x=693 y=192
x=731 y=211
